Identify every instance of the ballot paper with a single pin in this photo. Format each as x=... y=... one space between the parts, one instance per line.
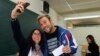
x=58 y=51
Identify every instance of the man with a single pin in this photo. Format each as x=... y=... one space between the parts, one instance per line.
x=56 y=36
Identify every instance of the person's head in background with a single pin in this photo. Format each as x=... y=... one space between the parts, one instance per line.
x=36 y=37
x=46 y=23
x=90 y=39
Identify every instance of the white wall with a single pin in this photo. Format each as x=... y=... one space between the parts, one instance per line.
x=36 y=6
x=61 y=22
x=53 y=15
x=80 y=34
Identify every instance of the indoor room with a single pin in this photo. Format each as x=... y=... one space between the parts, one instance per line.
x=80 y=17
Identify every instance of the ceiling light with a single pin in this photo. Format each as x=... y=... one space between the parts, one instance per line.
x=83 y=17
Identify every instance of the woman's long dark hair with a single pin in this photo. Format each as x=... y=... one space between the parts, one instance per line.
x=91 y=38
x=32 y=43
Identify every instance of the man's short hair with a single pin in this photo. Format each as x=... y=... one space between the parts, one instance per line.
x=41 y=16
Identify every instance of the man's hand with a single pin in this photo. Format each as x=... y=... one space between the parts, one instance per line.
x=15 y=13
x=66 y=49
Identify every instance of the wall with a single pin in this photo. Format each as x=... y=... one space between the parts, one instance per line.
x=61 y=22
x=53 y=15
x=80 y=34
x=36 y=6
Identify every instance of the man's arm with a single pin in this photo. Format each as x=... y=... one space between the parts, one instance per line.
x=70 y=43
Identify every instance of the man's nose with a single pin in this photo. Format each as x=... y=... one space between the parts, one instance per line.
x=44 y=25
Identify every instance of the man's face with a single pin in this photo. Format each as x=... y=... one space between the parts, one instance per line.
x=46 y=24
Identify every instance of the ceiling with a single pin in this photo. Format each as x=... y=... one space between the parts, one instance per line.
x=78 y=8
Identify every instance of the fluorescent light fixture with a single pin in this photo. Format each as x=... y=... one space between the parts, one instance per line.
x=83 y=17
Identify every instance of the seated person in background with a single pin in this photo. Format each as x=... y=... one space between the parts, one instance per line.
x=34 y=45
x=93 y=48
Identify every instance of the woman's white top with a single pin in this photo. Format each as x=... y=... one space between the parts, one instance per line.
x=36 y=52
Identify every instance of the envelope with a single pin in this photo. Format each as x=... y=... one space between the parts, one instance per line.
x=58 y=51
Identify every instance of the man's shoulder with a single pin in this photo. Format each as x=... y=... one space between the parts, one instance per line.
x=61 y=29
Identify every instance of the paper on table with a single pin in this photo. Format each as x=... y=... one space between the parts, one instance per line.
x=58 y=51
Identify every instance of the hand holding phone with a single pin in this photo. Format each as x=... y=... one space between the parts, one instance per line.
x=25 y=5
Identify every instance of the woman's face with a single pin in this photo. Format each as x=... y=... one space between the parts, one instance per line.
x=88 y=40
x=36 y=36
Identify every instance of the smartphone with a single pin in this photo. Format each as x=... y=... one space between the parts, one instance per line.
x=25 y=5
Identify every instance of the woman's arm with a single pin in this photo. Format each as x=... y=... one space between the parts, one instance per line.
x=21 y=41
x=18 y=36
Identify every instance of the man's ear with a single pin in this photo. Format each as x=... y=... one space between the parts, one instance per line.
x=51 y=21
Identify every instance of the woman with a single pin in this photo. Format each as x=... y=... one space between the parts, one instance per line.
x=36 y=42
x=33 y=46
x=93 y=48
